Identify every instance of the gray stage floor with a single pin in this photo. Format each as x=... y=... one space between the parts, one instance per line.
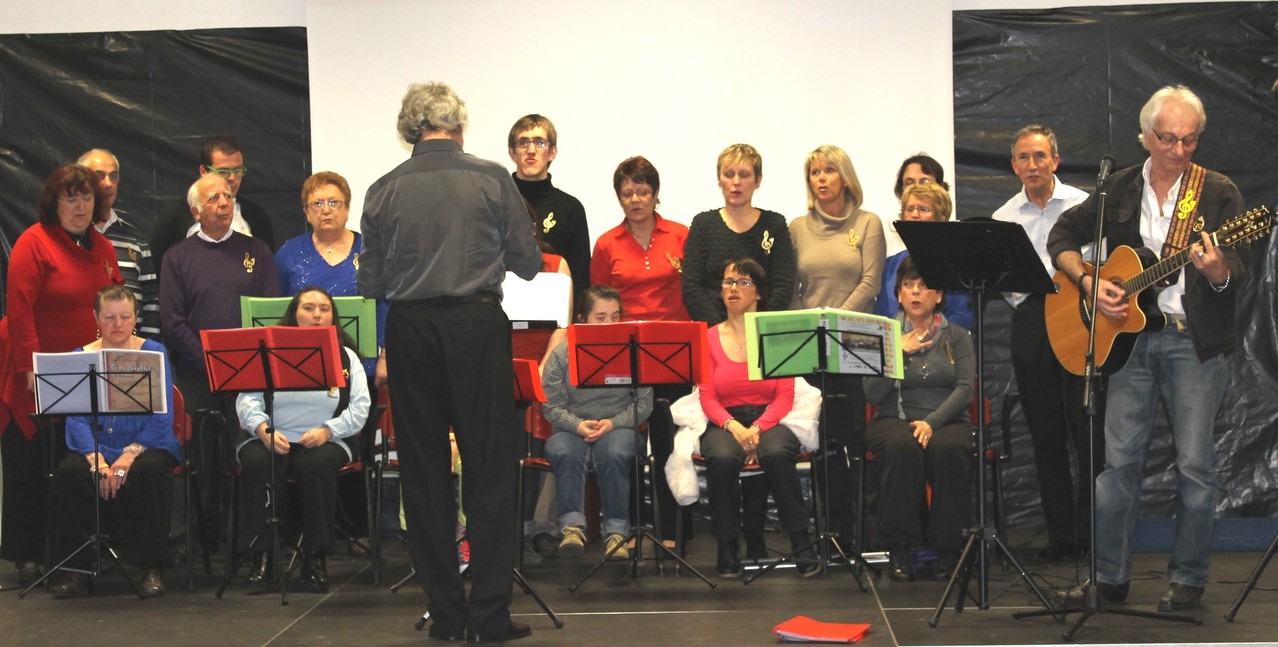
x=613 y=609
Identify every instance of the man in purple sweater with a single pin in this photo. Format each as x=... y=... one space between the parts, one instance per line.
x=201 y=281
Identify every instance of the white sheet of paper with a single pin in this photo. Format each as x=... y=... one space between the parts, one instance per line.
x=545 y=298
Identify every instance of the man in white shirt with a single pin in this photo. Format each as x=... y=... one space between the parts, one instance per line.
x=1050 y=397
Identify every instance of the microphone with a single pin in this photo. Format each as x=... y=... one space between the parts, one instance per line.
x=1106 y=165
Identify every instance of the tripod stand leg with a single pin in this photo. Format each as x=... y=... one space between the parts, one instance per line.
x=406 y=579
x=1251 y=581
x=528 y=590
x=960 y=570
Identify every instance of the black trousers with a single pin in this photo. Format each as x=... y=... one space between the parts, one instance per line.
x=26 y=494
x=724 y=459
x=136 y=520
x=212 y=449
x=843 y=414
x=906 y=469
x=1052 y=401
x=661 y=432
x=450 y=366
x=315 y=470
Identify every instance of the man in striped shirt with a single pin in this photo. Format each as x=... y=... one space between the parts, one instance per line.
x=132 y=249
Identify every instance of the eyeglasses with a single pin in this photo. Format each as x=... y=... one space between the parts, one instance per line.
x=917 y=208
x=332 y=203
x=523 y=144
x=228 y=172
x=114 y=176
x=742 y=283
x=1168 y=139
x=86 y=198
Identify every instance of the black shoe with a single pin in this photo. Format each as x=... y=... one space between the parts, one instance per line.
x=261 y=573
x=545 y=544
x=1055 y=552
x=72 y=585
x=530 y=557
x=943 y=568
x=28 y=572
x=756 y=546
x=513 y=631
x=1110 y=593
x=1180 y=597
x=451 y=634
x=806 y=562
x=729 y=562
x=152 y=583
x=899 y=564
x=314 y=576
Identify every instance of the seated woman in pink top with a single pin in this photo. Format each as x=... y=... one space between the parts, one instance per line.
x=743 y=425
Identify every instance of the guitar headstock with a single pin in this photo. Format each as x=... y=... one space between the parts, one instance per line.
x=1246 y=228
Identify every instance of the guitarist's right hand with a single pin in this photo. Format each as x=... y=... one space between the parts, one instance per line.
x=1112 y=300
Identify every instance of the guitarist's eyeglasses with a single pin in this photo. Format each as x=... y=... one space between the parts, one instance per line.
x=1168 y=139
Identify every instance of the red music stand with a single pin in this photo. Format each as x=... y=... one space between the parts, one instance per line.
x=271 y=359
x=636 y=354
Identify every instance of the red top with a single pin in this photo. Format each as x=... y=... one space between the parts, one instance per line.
x=729 y=386
x=52 y=285
x=648 y=279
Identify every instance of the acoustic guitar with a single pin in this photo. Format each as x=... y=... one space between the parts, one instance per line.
x=1068 y=317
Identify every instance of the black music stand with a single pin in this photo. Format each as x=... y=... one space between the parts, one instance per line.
x=72 y=391
x=978 y=256
x=635 y=355
x=269 y=360
x=864 y=349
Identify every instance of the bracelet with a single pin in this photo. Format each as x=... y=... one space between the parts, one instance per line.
x=1229 y=274
x=726 y=422
x=134 y=448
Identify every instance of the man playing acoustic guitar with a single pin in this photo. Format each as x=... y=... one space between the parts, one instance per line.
x=1166 y=204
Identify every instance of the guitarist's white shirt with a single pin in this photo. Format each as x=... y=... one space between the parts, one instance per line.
x=1038 y=222
x=1155 y=222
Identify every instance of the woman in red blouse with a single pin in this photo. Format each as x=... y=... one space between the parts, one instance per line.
x=743 y=425
x=642 y=258
x=55 y=271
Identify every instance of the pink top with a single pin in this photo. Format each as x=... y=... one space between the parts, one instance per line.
x=729 y=385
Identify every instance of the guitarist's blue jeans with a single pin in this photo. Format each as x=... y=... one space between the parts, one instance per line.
x=1162 y=363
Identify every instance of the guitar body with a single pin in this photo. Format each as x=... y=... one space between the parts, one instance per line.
x=1068 y=319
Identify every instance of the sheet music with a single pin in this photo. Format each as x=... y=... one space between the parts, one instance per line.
x=130 y=381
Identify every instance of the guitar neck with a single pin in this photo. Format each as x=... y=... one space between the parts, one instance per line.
x=1160 y=270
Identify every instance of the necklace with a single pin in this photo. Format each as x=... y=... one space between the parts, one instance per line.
x=329 y=249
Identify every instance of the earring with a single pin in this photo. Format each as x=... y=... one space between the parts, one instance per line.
x=97 y=334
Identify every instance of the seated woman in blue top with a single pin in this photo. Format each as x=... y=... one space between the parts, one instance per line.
x=133 y=464
x=312 y=432
x=592 y=426
x=923 y=201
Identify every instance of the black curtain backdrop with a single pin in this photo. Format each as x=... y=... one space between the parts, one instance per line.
x=152 y=98
x=1086 y=72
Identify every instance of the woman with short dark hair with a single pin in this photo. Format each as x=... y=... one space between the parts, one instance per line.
x=55 y=270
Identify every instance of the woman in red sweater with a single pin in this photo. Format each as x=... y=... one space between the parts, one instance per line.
x=56 y=269
x=744 y=425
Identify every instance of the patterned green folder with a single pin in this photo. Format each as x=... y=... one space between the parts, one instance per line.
x=788 y=343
